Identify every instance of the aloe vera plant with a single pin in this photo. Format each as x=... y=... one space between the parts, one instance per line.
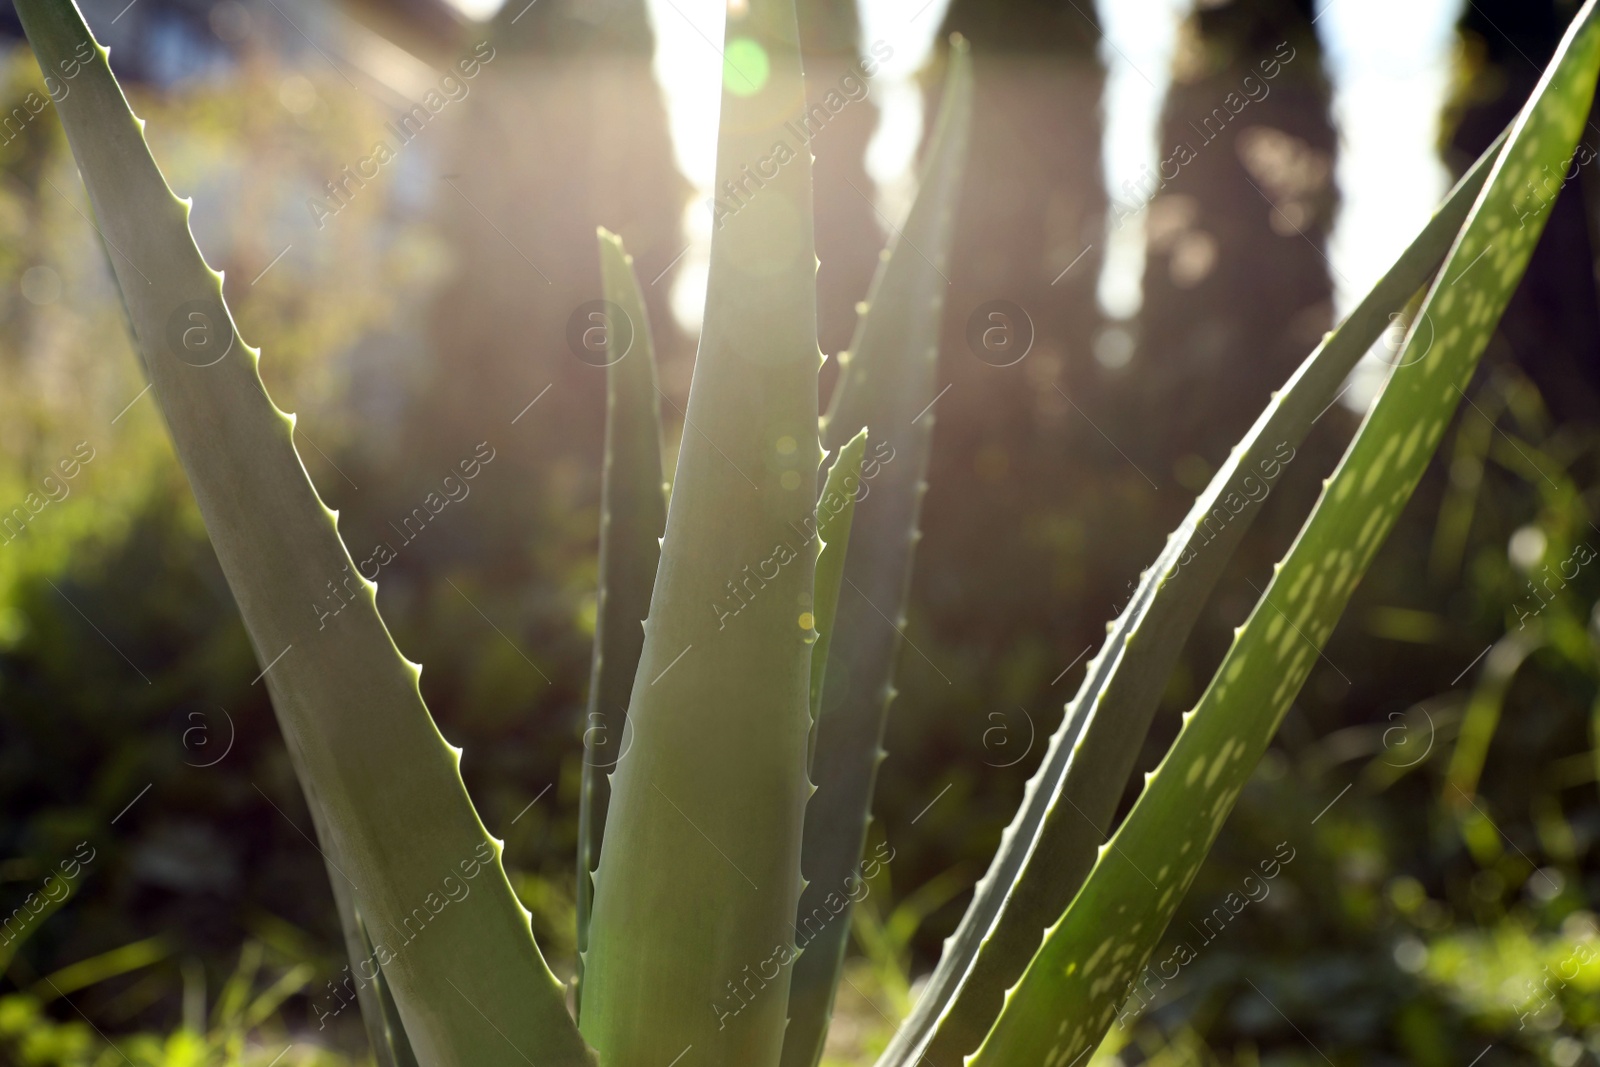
x=742 y=669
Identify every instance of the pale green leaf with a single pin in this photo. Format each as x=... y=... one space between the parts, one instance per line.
x=887 y=383
x=834 y=517
x=696 y=888
x=453 y=941
x=1067 y=810
x=633 y=514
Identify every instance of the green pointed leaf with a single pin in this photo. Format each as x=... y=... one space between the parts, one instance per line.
x=381 y=1016
x=690 y=937
x=453 y=941
x=1053 y=840
x=835 y=514
x=633 y=514
x=887 y=382
x=1071 y=989
x=390 y=1046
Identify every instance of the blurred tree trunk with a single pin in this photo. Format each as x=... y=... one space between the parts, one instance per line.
x=1006 y=588
x=563 y=130
x=1033 y=201
x=1551 y=329
x=1236 y=283
x=1032 y=204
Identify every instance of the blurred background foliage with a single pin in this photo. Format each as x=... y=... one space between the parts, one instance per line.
x=1435 y=784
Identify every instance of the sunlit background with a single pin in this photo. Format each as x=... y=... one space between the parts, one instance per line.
x=1390 y=65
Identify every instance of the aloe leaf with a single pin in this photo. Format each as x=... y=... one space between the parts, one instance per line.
x=452 y=939
x=690 y=938
x=358 y=946
x=390 y=1046
x=835 y=516
x=633 y=513
x=887 y=382
x=1052 y=842
x=1071 y=989
x=386 y=1034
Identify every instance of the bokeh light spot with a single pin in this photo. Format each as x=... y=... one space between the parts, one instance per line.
x=41 y=285
x=745 y=67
